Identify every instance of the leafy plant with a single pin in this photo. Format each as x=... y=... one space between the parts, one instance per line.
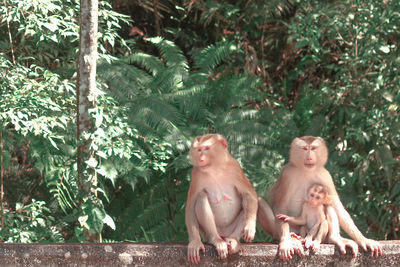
x=30 y=223
x=171 y=102
x=344 y=86
x=259 y=72
x=37 y=89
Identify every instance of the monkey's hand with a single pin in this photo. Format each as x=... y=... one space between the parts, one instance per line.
x=374 y=246
x=249 y=231
x=283 y=217
x=193 y=251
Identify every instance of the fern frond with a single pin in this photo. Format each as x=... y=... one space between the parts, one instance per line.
x=171 y=53
x=125 y=81
x=156 y=112
x=160 y=231
x=61 y=191
x=170 y=79
x=213 y=55
x=151 y=63
x=150 y=210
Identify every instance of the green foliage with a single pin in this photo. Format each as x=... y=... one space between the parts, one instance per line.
x=37 y=106
x=329 y=69
x=168 y=101
x=30 y=223
x=347 y=86
x=258 y=72
x=46 y=32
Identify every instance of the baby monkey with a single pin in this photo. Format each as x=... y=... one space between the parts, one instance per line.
x=312 y=220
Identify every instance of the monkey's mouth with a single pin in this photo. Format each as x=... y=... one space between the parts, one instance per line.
x=309 y=165
x=203 y=163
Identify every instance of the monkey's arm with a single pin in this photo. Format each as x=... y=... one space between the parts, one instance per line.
x=297 y=220
x=346 y=222
x=250 y=206
x=195 y=244
x=300 y=220
x=192 y=224
x=293 y=220
x=351 y=229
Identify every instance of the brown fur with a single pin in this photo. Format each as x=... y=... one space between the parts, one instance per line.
x=221 y=202
x=308 y=155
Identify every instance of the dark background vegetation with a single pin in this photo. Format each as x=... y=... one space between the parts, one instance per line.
x=258 y=72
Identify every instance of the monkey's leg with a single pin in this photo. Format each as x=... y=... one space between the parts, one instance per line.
x=303 y=231
x=308 y=241
x=288 y=245
x=205 y=217
x=334 y=233
x=320 y=235
x=236 y=233
x=312 y=233
x=266 y=218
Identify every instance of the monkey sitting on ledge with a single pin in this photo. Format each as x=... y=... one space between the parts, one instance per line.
x=312 y=221
x=221 y=203
x=308 y=156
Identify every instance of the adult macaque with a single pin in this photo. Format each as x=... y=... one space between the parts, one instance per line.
x=312 y=221
x=221 y=203
x=308 y=156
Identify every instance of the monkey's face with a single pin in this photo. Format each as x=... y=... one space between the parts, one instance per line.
x=310 y=155
x=203 y=150
x=316 y=196
x=308 y=152
x=316 y=199
x=203 y=157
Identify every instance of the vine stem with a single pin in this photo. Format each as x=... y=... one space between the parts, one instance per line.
x=9 y=34
x=1 y=179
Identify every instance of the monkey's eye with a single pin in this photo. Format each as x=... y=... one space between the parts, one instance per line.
x=317 y=197
x=304 y=148
x=312 y=195
x=313 y=148
x=206 y=148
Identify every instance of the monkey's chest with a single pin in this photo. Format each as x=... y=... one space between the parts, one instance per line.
x=225 y=203
x=220 y=196
x=312 y=219
x=295 y=202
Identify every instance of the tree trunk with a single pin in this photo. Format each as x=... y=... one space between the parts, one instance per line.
x=86 y=96
x=1 y=179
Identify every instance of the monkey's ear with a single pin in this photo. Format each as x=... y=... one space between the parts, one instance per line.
x=224 y=142
x=328 y=200
x=296 y=141
x=195 y=141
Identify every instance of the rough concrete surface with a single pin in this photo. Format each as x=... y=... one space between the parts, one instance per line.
x=174 y=254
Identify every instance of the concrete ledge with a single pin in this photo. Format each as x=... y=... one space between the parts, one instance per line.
x=174 y=254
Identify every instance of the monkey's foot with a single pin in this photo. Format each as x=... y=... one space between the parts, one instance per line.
x=315 y=246
x=308 y=242
x=233 y=245
x=290 y=246
x=221 y=246
x=294 y=235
